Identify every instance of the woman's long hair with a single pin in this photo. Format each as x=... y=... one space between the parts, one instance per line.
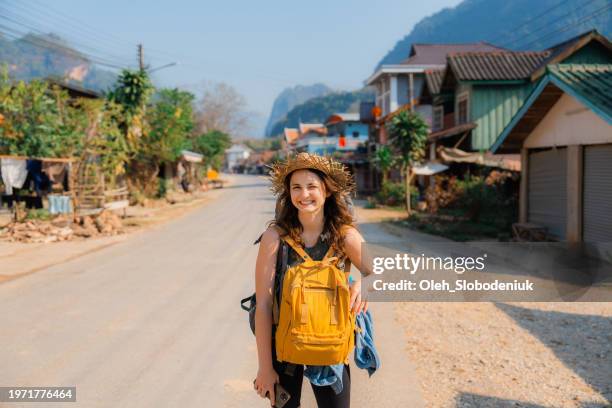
x=335 y=211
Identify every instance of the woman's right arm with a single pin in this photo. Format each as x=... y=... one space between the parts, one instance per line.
x=265 y=270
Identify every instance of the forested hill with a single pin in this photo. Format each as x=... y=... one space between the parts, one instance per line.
x=316 y=110
x=291 y=97
x=515 y=24
x=38 y=56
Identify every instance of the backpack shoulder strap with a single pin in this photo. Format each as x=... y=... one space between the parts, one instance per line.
x=298 y=249
x=329 y=253
x=282 y=259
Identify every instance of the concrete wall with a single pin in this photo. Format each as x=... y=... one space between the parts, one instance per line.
x=569 y=123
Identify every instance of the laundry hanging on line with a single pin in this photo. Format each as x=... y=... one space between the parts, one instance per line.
x=35 y=173
x=59 y=204
x=14 y=173
x=56 y=172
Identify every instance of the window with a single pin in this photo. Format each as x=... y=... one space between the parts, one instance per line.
x=462 y=108
x=437 y=122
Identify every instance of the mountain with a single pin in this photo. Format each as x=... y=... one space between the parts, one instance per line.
x=291 y=97
x=516 y=24
x=40 y=56
x=316 y=110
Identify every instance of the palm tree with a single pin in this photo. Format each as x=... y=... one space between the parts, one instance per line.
x=383 y=160
x=408 y=136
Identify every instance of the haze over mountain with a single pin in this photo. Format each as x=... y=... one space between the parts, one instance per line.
x=316 y=110
x=291 y=97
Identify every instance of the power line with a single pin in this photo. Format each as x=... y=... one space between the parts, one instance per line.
x=76 y=24
x=199 y=64
x=583 y=20
x=514 y=30
x=19 y=8
x=157 y=53
x=548 y=24
x=85 y=32
x=48 y=45
x=112 y=60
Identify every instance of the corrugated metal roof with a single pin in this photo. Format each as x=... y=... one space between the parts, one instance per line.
x=491 y=66
x=425 y=54
x=434 y=79
x=560 y=51
x=591 y=82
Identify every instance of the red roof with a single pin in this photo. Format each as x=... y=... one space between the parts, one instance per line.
x=291 y=135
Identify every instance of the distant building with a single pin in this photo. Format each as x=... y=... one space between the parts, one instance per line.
x=351 y=138
x=235 y=155
x=75 y=91
x=312 y=138
x=291 y=137
x=349 y=133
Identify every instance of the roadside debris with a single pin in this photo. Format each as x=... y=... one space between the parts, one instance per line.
x=63 y=228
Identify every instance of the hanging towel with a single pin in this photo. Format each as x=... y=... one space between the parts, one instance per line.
x=59 y=204
x=14 y=173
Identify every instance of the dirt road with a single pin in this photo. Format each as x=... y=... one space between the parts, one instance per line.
x=154 y=321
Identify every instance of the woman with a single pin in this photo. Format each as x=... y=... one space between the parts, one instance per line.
x=312 y=210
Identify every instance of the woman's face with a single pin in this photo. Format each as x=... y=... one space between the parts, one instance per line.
x=308 y=191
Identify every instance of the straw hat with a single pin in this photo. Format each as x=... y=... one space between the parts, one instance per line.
x=335 y=170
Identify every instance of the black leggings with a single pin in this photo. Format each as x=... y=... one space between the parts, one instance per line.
x=291 y=380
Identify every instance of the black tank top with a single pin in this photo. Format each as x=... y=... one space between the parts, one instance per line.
x=316 y=252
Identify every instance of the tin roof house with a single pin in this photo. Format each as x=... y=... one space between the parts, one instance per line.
x=401 y=86
x=564 y=135
x=481 y=91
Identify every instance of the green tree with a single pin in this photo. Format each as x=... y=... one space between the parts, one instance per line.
x=212 y=145
x=408 y=136
x=170 y=120
x=384 y=160
x=37 y=120
x=132 y=92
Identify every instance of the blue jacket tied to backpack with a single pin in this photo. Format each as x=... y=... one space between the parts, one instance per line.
x=365 y=356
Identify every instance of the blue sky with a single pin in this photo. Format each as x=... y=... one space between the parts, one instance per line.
x=258 y=47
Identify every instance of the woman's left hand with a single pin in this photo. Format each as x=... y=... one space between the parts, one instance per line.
x=357 y=304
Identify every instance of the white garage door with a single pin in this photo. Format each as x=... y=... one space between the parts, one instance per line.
x=547 y=203
x=597 y=198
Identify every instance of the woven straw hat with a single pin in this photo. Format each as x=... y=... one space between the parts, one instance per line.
x=335 y=170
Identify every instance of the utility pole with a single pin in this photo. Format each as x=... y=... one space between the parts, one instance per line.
x=141 y=57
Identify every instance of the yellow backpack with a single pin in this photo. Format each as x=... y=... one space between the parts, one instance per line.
x=315 y=326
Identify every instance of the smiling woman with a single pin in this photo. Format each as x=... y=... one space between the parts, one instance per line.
x=312 y=326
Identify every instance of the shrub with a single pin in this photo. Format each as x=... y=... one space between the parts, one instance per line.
x=41 y=214
x=394 y=193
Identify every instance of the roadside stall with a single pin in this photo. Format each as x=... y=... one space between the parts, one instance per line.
x=189 y=170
